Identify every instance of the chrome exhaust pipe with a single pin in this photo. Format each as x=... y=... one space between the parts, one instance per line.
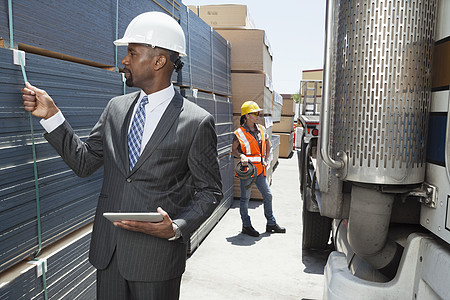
x=368 y=226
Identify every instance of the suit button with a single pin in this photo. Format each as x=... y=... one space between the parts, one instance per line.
x=128 y=179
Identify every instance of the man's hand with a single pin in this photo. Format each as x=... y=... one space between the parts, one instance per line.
x=163 y=229
x=38 y=102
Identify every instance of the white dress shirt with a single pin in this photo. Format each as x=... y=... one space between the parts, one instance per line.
x=157 y=105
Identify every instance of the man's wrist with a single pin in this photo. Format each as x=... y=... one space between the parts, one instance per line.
x=177 y=231
x=52 y=123
x=51 y=112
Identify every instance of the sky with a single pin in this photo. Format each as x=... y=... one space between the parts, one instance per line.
x=296 y=32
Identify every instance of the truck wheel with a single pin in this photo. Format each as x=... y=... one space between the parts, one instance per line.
x=316 y=228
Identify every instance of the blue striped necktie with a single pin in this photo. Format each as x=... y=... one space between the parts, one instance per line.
x=135 y=134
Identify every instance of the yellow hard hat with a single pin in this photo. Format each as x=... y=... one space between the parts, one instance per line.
x=249 y=107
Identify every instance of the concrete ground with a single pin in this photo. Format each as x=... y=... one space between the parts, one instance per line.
x=230 y=265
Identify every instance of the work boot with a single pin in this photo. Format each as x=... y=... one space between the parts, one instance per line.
x=250 y=231
x=275 y=229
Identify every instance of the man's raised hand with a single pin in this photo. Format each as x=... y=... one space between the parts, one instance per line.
x=38 y=102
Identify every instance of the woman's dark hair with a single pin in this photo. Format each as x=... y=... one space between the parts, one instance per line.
x=242 y=120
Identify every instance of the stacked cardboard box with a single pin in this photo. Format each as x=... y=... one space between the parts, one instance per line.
x=288 y=108
x=285 y=127
x=251 y=63
x=251 y=68
x=251 y=54
x=225 y=16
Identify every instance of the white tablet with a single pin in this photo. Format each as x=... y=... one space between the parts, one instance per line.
x=134 y=216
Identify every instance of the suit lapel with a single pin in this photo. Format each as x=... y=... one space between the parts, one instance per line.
x=165 y=124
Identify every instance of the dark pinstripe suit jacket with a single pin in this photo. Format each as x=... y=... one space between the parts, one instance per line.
x=178 y=170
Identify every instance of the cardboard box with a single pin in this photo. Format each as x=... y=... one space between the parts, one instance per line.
x=285 y=125
x=288 y=108
x=250 y=86
x=250 y=50
x=226 y=16
x=312 y=74
x=286 y=144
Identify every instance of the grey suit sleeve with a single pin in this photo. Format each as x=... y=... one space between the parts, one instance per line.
x=204 y=167
x=84 y=158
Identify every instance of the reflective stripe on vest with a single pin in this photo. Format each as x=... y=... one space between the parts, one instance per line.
x=250 y=147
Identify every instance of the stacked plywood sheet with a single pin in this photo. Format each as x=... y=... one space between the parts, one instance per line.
x=207 y=64
x=278 y=109
x=227 y=171
x=66 y=201
x=221 y=108
x=68 y=273
x=77 y=30
x=76 y=62
x=276 y=150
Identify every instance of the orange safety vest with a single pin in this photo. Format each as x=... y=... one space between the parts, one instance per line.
x=249 y=146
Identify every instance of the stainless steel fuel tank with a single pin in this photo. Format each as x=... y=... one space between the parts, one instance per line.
x=381 y=88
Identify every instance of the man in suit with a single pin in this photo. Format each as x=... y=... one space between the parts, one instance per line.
x=159 y=153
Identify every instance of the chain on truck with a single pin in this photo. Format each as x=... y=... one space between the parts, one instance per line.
x=376 y=179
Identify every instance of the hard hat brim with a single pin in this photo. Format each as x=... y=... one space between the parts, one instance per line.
x=121 y=42
x=253 y=111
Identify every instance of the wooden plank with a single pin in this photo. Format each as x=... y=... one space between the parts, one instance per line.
x=62 y=56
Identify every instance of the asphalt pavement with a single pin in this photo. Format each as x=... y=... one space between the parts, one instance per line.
x=231 y=265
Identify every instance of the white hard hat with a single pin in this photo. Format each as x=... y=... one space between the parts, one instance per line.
x=157 y=29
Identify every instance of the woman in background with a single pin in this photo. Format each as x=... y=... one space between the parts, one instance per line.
x=251 y=143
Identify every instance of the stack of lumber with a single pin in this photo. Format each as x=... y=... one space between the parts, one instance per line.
x=68 y=273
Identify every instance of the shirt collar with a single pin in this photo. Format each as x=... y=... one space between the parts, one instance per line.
x=157 y=98
x=248 y=129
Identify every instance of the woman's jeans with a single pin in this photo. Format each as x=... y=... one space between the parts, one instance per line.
x=263 y=187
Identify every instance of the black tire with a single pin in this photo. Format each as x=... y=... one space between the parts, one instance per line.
x=316 y=228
